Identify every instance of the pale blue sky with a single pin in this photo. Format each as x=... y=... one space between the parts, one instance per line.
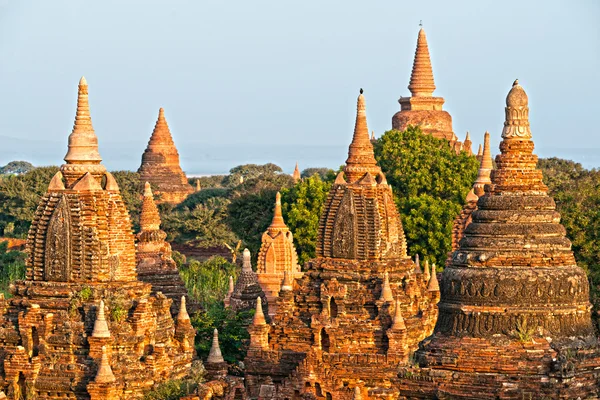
x=257 y=81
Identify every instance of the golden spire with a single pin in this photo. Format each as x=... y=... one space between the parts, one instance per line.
x=104 y=374
x=417 y=265
x=398 y=321
x=161 y=135
x=83 y=143
x=426 y=274
x=183 y=314
x=361 y=158
x=296 y=175
x=485 y=168
x=434 y=285
x=259 y=316
x=277 y=224
x=386 y=291
x=149 y=218
x=421 y=79
x=215 y=356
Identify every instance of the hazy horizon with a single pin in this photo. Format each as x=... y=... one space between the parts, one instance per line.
x=272 y=82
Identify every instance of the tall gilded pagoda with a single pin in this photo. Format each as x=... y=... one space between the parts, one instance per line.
x=81 y=325
x=360 y=308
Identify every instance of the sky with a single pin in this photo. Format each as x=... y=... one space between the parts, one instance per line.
x=276 y=81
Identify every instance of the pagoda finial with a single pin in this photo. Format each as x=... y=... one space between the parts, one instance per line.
x=421 y=79
x=247 y=261
x=83 y=143
x=215 y=356
x=104 y=374
x=296 y=176
x=100 y=326
x=361 y=158
x=417 y=265
x=277 y=223
x=516 y=125
x=426 y=274
x=161 y=133
x=259 y=316
x=479 y=152
x=485 y=168
x=149 y=217
x=183 y=314
x=386 y=291
x=434 y=285
x=398 y=321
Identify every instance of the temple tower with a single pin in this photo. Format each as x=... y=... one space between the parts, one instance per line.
x=56 y=340
x=422 y=108
x=296 y=176
x=160 y=165
x=154 y=262
x=246 y=289
x=341 y=312
x=515 y=312
x=277 y=254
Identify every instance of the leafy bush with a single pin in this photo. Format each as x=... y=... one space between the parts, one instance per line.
x=177 y=388
x=12 y=267
x=208 y=281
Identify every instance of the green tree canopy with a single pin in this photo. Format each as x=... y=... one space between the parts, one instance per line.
x=16 y=167
x=430 y=183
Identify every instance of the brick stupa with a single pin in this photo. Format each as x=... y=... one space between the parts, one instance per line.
x=359 y=309
x=514 y=317
x=160 y=165
x=277 y=254
x=422 y=108
x=57 y=340
x=154 y=262
x=483 y=178
x=242 y=297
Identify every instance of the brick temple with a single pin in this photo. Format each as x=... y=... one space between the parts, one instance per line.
x=153 y=257
x=360 y=308
x=277 y=254
x=160 y=165
x=514 y=316
x=81 y=325
x=421 y=108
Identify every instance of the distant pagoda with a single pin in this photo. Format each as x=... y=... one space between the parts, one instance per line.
x=277 y=254
x=360 y=308
x=160 y=165
x=422 y=108
x=81 y=326
x=514 y=318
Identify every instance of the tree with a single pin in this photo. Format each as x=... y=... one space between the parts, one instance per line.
x=249 y=171
x=19 y=198
x=16 y=168
x=12 y=267
x=324 y=173
x=430 y=183
x=302 y=207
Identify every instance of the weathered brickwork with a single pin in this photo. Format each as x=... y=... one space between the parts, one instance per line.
x=514 y=317
x=361 y=306
x=160 y=165
x=55 y=339
x=242 y=297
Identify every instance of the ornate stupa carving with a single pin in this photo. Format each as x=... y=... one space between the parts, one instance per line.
x=160 y=165
x=277 y=254
x=422 y=108
x=515 y=312
x=483 y=178
x=155 y=264
x=56 y=339
x=334 y=328
x=246 y=289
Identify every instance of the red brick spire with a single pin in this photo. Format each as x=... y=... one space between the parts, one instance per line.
x=161 y=135
x=296 y=175
x=278 y=224
x=149 y=218
x=485 y=168
x=421 y=79
x=83 y=143
x=361 y=158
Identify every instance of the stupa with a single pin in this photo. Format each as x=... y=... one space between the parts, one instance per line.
x=154 y=262
x=422 y=108
x=277 y=254
x=160 y=165
x=514 y=317
x=334 y=328
x=483 y=178
x=296 y=176
x=246 y=289
x=57 y=340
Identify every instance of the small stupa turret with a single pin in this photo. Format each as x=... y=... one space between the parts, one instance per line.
x=296 y=175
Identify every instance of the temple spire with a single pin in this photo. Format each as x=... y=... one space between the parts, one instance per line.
x=183 y=314
x=296 y=176
x=485 y=168
x=287 y=284
x=421 y=79
x=361 y=158
x=398 y=321
x=104 y=374
x=417 y=265
x=277 y=224
x=215 y=356
x=386 y=291
x=426 y=274
x=259 y=316
x=100 y=326
x=149 y=217
x=161 y=133
x=83 y=143
x=247 y=261
x=434 y=285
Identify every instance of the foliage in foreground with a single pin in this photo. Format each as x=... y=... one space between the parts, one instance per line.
x=12 y=267
x=208 y=281
x=430 y=183
x=177 y=388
